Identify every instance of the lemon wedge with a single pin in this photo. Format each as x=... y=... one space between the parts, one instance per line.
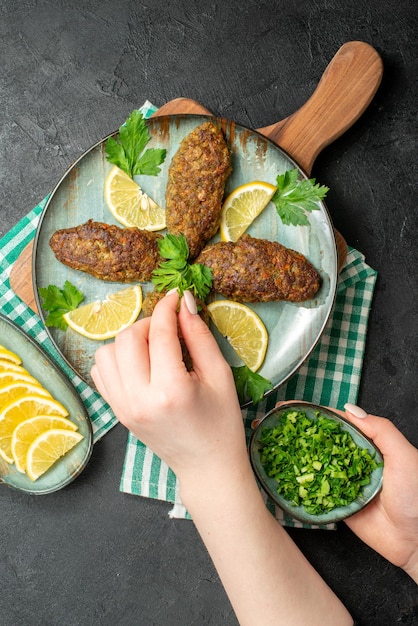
x=27 y=431
x=103 y=319
x=47 y=448
x=129 y=204
x=242 y=206
x=243 y=329
x=22 y=409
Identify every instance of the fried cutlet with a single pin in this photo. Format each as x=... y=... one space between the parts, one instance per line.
x=196 y=184
x=257 y=270
x=107 y=251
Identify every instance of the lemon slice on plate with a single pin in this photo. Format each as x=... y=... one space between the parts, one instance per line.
x=242 y=206
x=22 y=409
x=103 y=319
x=8 y=377
x=243 y=329
x=9 y=356
x=47 y=448
x=8 y=366
x=13 y=391
x=26 y=432
x=129 y=204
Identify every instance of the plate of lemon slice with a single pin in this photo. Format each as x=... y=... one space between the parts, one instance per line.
x=45 y=431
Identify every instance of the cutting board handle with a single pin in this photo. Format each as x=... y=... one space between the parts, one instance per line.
x=344 y=92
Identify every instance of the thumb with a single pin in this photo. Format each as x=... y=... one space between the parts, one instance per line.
x=389 y=440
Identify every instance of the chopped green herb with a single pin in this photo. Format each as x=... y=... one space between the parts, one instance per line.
x=294 y=197
x=176 y=272
x=249 y=384
x=316 y=463
x=59 y=301
x=126 y=151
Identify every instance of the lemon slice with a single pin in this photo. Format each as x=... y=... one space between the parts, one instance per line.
x=104 y=319
x=243 y=329
x=129 y=204
x=47 y=448
x=242 y=206
x=7 y=377
x=22 y=409
x=8 y=366
x=13 y=391
x=26 y=432
x=8 y=355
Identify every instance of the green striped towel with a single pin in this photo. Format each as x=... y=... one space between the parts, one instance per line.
x=331 y=375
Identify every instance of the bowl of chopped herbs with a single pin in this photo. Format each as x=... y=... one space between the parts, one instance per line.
x=314 y=464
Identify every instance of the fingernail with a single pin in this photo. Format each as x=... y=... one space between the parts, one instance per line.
x=355 y=410
x=171 y=291
x=190 y=302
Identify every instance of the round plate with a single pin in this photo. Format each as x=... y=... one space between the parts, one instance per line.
x=294 y=329
x=40 y=366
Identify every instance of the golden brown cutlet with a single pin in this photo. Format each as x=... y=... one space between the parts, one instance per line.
x=196 y=185
x=107 y=251
x=257 y=270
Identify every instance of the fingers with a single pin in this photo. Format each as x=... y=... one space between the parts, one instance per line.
x=201 y=344
x=389 y=440
x=122 y=367
x=97 y=379
x=164 y=345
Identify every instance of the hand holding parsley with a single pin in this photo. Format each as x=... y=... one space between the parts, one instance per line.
x=176 y=272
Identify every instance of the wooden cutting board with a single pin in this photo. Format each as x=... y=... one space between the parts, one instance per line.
x=344 y=92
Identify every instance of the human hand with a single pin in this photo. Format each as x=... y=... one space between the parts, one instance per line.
x=192 y=420
x=389 y=524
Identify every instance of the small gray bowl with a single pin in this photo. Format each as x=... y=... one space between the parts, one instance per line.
x=269 y=485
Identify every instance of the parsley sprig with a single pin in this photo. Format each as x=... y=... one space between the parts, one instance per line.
x=177 y=272
x=249 y=384
x=59 y=301
x=294 y=198
x=127 y=151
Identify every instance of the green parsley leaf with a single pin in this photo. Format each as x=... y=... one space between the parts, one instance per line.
x=149 y=161
x=249 y=384
x=126 y=151
x=59 y=301
x=176 y=272
x=294 y=198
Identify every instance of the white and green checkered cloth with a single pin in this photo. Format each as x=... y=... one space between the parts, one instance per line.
x=331 y=375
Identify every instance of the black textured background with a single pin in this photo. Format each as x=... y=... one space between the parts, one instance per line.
x=70 y=74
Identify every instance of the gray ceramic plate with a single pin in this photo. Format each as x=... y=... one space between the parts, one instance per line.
x=294 y=329
x=270 y=485
x=39 y=365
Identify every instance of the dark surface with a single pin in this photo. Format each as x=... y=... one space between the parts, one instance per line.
x=71 y=73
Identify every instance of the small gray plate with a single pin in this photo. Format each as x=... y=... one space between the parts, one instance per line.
x=41 y=367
